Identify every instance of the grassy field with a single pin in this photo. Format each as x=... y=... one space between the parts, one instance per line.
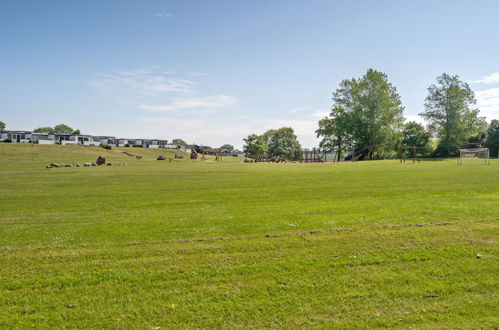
x=190 y=244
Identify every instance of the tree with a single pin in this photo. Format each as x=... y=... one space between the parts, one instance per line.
x=492 y=140
x=283 y=143
x=334 y=131
x=451 y=113
x=255 y=147
x=2 y=126
x=415 y=134
x=372 y=111
x=47 y=130
x=228 y=147
x=63 y=129
x=179 y=142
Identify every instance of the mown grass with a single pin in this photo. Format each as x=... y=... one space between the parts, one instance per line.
x=228 y=244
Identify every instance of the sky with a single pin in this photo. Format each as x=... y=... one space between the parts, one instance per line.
x=212 y=72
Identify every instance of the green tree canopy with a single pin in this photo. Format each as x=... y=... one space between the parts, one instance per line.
x=47 y=130
x=283 y=143
x=2 y=126
x=179 y=142
x=451 y=113
x=63 y=129
x=492 y=140
x=228 y=147
x=255 y=146
x=334 y=131
x=366 y=112
x=415 y=134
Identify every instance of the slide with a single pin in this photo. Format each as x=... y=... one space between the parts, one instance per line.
x=360 y=154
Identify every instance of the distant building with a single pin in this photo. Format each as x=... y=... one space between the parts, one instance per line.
x=105 y=140
x=85 y=140
x=17 y=136
x=42 y=138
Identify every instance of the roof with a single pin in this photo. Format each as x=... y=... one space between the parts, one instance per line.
x=18 y=132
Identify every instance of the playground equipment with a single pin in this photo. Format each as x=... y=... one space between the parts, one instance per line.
x=313 y=156
x=218 y=154
x=414 y=155
x=203 y=153
x=363 y=153
x=317 y=155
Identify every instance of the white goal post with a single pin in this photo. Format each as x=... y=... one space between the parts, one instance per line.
x=474 y=155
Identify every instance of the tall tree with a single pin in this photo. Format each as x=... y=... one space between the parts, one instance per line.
x=2 y=126
x=492 y=141
x=255 y=146
x=63 y=129
x=179 y=142
x=335 y=131
x=373 y=110
x=228 y=147
x=47 y=130
x=451 y=113
x=415 y=134
x=283 y=143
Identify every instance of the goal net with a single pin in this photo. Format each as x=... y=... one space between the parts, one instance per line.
x=474 y=156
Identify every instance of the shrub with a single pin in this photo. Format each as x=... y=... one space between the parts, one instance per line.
x=137 y=145
x=7 y=140
x=106 y=146
x=127 y=145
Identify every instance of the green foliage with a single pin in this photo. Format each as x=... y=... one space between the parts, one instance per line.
x=228 y=147
x=414 y=134
x=492 y=140
x=106 y=146
x=59 y=129
x=47 y=130
x=179 y=142
x=451 y=113
x=335 y=131
x=367 y=112
x=63 y=129
x=255 y=146
x=282 y=143
x=137 y=146
x=230 y=245
x=279 y=143
x=2 y=126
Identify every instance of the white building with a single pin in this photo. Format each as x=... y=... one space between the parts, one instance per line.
x=42 y=138
x=105 y=140
x=86 y=140
x=17 y=136
x=69 y=139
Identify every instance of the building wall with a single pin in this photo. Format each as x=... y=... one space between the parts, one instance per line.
x=46 y=142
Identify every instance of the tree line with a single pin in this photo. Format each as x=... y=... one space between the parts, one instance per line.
x=368 y=111
x=57 y=129
x=279 y=143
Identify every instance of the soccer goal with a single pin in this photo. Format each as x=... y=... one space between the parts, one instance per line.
x=474 y=156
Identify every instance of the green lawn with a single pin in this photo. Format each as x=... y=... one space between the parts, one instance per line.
x=190 y=244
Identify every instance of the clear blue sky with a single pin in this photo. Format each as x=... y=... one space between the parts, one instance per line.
x=214 y=71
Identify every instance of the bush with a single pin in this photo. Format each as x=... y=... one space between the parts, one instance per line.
x=7 y=140
x=106 y=146
x=127 y=145
x=137 y=145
